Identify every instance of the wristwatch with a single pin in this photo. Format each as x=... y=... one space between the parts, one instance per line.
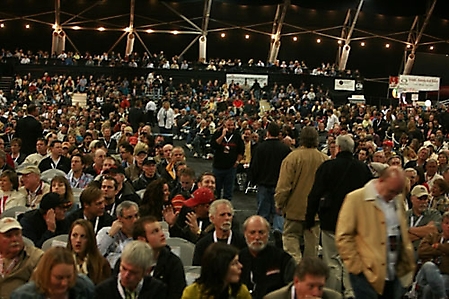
x=199 y=232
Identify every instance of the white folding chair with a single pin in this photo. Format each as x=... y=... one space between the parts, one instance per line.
x=57 y=241
x=14 y=211
x=49 y=174
x=183 y=249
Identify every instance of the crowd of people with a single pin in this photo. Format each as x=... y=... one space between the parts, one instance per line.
x=110 y=174
x=161 y=61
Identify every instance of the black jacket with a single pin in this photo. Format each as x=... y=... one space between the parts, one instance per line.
x=170 y=270
x=47 y=163
x=237 y=241
x=335 y=178
x=271 y=269
x=152 y=288
x=226 y=153
x=103 y=221
x=181 y=230
x=28 y=129
x=266 y=162
x=34 y=227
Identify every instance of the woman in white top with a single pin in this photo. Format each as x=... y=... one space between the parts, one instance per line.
x=9 y=196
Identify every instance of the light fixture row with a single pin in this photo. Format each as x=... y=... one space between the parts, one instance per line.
x=223 y=35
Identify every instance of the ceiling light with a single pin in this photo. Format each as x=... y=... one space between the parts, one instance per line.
x=175 y=32
x=387 y=46
x=318 y=40
x=150 y=31
x=76 y=27
x=431 y=48
x=27 y=26
x=101 y=29
x=295 y=39
x=223 y=35
x=247 y=36
x=362 y=44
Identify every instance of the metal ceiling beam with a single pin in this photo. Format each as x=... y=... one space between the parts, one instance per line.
x=58 y=35
x=411 y=57
x=203 y=39
x=275 y=43
x=181 y=16
x=347 y=48
x=82 y=12
x=131 y=36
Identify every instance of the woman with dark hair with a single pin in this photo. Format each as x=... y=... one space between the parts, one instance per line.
x=154 y=199
x=83 y=245
x=59 y=184
x=55 y=277
x=9 y=194
x=220 y=275
x=443 y=160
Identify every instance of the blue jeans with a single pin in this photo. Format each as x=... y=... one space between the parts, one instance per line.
x=224 y=180
x=434 y=284
x=266 y=208
x=363 y=289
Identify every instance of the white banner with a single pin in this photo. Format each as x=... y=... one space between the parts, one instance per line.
x=418 y=83
x=344 y=84
x=250 y=79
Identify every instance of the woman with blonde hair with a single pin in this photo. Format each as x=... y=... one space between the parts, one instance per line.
x=55 y=277
x=83 y=245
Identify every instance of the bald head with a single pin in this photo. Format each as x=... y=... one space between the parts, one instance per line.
x=391 y=183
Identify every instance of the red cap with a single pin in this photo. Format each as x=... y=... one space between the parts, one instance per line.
x=388 y=143
x=201 y=195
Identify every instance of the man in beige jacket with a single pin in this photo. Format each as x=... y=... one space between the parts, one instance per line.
x=293 y=187
x=372 y=238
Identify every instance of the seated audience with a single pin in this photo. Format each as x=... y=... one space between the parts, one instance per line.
x=92 y=209
x=12 y=249
x=88 y=259
x=56 y=277
x=47 y=221
x=55 y=160
x=221 y=213
x=266 y=268
x=155 y=198
x=33 y=187
x=9 y=194
x=76 y=176
x=133 y=279
x=192 y=222
x=220 y=275
x=111 y=240
x=309 y=280
x=148 y=175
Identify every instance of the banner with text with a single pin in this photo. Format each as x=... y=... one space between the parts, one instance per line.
x=418 y=83
x=344 y=84
x=249 y=78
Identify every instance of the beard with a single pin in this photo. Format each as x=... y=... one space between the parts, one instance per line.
x=257 y=246
x=226 y=226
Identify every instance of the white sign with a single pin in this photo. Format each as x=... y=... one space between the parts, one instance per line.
x=418 y=83
x=344 y=84
x=250 y=79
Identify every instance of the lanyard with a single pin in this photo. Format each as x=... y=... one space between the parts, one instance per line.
x=6 y=270
x=228 y=139
x=96 y=223
x=54 y=164
x=229 y=238
x=412 y=223
x=3 y=203
x=32 y=196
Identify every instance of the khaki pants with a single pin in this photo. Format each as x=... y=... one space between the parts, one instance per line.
x=291 y=237
x=338 y=275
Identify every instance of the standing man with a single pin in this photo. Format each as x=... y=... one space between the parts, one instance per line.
x=295 y=182
x=229 y=149
x=333 y=180
x=29 y=129
x=166 y=119
x=265 y=167
x=372 y=237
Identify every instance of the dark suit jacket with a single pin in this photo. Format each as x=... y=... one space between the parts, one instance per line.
x=152 y=288
x=103 y=221
x=47 y=163
x=285 y=293
x=28 y=129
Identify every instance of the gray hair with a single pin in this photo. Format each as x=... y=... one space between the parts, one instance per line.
x=213 y=207
x=125 y=205
x=415 y=173
x=138 y=254
x=345 y=143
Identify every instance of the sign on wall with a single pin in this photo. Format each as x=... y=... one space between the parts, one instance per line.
x=418 y=83
x=344 y=84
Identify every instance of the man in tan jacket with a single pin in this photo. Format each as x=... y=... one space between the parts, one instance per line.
x=293 y=187
x=17 y=261
x=372 y=237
